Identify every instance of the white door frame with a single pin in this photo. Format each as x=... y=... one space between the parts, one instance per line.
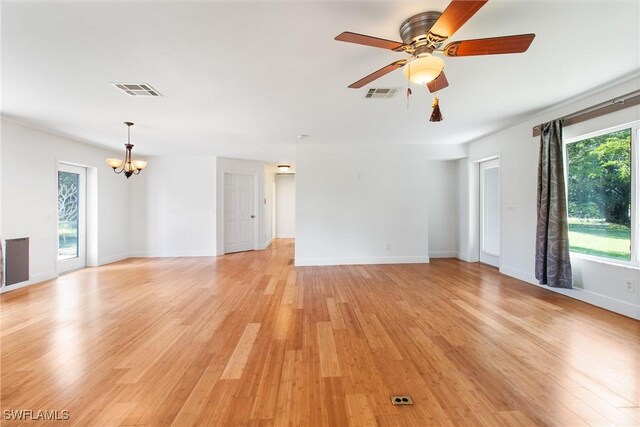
x=81 y=260
x=473 y=199
x=256 y=223
x=485 y=256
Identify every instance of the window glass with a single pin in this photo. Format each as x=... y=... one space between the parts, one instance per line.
x=68 y=210
x=599 y=195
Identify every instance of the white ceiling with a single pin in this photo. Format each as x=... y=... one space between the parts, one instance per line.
x=242 y=79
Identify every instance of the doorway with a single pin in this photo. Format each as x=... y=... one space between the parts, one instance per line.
x=490 y=212
x=72 y=214
x=239 y=216
x=285 y=206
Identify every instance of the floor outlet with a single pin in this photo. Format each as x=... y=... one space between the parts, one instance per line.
x=401 y=400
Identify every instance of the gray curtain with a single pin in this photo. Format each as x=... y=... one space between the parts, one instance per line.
x=553 y=266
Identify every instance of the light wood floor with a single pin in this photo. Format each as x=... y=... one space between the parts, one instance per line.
x=249 y=339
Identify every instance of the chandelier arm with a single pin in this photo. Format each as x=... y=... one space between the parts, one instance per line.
x=122 y=166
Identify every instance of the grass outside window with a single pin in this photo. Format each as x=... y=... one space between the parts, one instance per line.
x=601 y=239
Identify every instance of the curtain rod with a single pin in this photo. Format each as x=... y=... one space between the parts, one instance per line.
x=615 y=104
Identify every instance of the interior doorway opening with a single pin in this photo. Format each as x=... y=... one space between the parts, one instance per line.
x=285 y=206
x=489 y=215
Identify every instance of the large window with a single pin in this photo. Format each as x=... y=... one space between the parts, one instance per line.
x=601 y=173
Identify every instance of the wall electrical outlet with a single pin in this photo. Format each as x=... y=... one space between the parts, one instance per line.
x=388 y=246
x=629 y=286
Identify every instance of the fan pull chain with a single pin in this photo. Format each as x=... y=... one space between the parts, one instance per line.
x=409 y=85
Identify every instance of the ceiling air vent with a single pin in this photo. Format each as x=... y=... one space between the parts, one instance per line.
x=381 y=93
x=137 y=89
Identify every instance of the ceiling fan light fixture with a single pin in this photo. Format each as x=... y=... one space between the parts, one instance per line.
x=424 y=69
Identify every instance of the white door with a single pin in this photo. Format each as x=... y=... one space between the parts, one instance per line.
x=490 y=212
x=239 y=215
x=72 y=203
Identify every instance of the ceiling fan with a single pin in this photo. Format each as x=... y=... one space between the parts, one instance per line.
x=424 y=33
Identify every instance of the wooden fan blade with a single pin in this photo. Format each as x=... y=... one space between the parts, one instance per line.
x=438 y=83
x=377 y=74
x=454 y=17
x=490 y=46
x=350 y=37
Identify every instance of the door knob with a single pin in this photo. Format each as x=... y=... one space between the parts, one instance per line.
x=253 y=216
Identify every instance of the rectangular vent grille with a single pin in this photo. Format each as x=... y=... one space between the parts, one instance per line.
x=137 y=89
x=381 y=93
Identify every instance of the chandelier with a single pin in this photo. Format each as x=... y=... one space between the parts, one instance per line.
x=128 y=165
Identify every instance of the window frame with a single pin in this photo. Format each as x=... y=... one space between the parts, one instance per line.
x=635 y=189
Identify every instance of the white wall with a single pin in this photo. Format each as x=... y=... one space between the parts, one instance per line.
x=463 y=212
x=180 y=205
x=173 y=208
x=595 y=282
x=364 y=204
x=285 y=206
x=442 y=192
x=227 y=165
x=29 y=191
x=1 y=235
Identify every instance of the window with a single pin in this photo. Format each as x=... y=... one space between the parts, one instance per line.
x=68 y=214
x=602 y=171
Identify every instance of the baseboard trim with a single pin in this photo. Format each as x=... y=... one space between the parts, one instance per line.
x=463 y=256
x=33 y=280
x=113 y=258
x=519 y=274
x=443 y=254
x=166 y=255
x=302 y=262
x=266 y=245
x=608 y=303
x=138 y=254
